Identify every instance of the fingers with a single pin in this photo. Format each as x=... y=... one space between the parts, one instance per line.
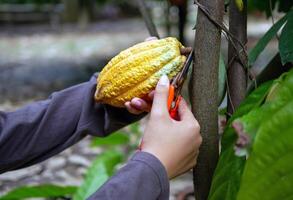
x=185 y=50
x=159 y=106
x=184 y=112
x=140 y=104
x=132 y=109
x=151 y=95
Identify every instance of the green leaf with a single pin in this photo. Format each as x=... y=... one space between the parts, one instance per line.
x=99 y=172
x=227 y=176
x=286 y=40
x=252 y=101
x=279 y=95
x=262 y=43
x=134 y=128
x=229 y=169
x=260 y=114
x=239 y=5
x=40 y=191
x=222 y=80
x=117 y=138
x=264 y=5
x=268 y=170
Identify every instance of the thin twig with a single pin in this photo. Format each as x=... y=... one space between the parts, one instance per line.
x=219 y=25
x=230 y=37
x=229 y=97
x=147 y=18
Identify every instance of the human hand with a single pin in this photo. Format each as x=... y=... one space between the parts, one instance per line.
x=137 y=105
x=174 y=143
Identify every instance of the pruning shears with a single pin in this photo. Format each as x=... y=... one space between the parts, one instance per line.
x=175 y=88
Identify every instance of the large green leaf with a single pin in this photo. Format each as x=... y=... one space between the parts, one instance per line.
x=279 y=95
x=286 y=40
x=268 y=170
x=267 y=109
x=262 y=43
x=117 y=138
x=227 y=176
x=229 y=169
x=40 y=191
x=101 y=170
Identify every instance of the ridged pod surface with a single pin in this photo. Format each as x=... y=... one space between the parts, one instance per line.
x=135 y=71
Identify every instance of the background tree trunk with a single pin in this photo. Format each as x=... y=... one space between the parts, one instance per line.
x=182 y=21
x=71 y=12
x=237 y=74
x=204 y=93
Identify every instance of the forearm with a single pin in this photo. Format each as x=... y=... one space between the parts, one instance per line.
x=45 y=128
x=144 y=177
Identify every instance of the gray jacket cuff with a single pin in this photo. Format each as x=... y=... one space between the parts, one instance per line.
x=159 y=170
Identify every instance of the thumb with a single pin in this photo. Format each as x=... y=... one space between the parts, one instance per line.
x=161 y=97
x=183 y=111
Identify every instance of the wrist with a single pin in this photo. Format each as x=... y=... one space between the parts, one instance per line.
x=162 y=160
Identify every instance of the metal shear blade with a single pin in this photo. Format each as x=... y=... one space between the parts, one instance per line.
x=178 y=81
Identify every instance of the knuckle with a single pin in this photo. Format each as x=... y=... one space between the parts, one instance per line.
x=194 y=127
x=197 y=126
x=199 y=140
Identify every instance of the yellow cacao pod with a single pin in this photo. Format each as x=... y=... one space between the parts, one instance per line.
x=135 y=71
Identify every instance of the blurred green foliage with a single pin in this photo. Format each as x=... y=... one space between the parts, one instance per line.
x=268 y=5
x=118 y=147
x=30 y=1
x=99 y=2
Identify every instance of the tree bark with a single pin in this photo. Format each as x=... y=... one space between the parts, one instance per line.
x=237 y=74
x=204 y=93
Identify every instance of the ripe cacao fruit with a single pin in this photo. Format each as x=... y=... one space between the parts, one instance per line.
x=135 y=71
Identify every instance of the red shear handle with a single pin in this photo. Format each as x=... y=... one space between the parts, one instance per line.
x=171 y=96
x=173 y=109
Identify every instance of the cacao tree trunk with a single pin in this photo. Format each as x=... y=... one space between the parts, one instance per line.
x=237 y=73
x=204 y=93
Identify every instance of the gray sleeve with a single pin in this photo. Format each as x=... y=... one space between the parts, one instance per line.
x=144 y=178
x=45 y=128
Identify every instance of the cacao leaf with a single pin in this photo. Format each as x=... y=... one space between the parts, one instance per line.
x=229 y=169
x=100 y=171
x=286 y=40
x=40 y=191
x=262 y=43
x=117 y=138
x=268 y=170
x=271 y=160
x=268 y=5
x=279 y=95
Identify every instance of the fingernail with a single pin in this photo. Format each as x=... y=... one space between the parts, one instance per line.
x=164 y=81
x=136 y=102
x=151 y=38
